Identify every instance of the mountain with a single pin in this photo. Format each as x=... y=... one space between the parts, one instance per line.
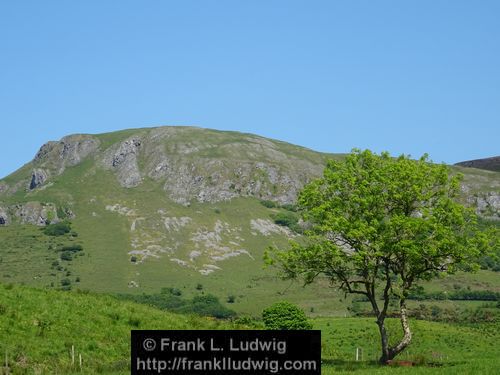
x=180 y=207
x=489 y=164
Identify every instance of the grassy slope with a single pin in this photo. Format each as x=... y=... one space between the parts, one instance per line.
x=38 y=328
x=106 y=236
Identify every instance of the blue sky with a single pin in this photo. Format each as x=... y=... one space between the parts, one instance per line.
x=403 y=76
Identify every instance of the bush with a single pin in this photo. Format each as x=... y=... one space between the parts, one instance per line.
x=172 y=291
x=65 y=282
x=285 y=316
x=58 y=229
x=268 y=204
x=67 y=255
x=230 y=299
x=72 y=248
x=289 y=207
x=208 y=305
x=288 y=219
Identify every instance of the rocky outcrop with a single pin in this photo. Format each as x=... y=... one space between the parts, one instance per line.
x=196 y=164
x=122 y=159
x=38 y=178
x=35 y=213
x=487 y=204
x=4 y=217
x=69 y=151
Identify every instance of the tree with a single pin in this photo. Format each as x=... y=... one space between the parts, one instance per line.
x=285 y=316
x=377 y=226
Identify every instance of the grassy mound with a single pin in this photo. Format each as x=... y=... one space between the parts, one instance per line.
x=38 y=329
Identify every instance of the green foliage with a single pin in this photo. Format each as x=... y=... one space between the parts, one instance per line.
x=285 y=219
x=285 y=316
x=289 y=207
x=231 y=299
x=169 y=299
x=393 y=212
x=288 y=219
x=268 y=204
x=207 y=305
x=57 y=229
x=67 y=255
x=420 y=294
x=379 y=225
x=172 y=291
x=72 y=248
x=61 y=213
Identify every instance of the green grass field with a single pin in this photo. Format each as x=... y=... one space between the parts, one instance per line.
x=38 y=329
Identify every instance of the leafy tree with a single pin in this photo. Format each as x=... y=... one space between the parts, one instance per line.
x=285 y=316
x=377 y=226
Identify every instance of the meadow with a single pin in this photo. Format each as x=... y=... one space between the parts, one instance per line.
x=39 y=330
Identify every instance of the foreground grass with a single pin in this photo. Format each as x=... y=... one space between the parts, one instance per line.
x=437 y=348
x=38 y=328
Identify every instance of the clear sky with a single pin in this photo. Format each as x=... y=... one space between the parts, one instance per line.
x=402 y=76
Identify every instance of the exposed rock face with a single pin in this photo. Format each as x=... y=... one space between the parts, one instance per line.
x=211 y=169
x=4 y=217
x=69 y=151
x=73 y=150
x=38 y=178
x=487 y=204
x=3 y=187
x=123 y=161
x=35 y=213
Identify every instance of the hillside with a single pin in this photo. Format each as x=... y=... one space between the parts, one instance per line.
x=39 y=328
x=179 y=207
x=489 y=164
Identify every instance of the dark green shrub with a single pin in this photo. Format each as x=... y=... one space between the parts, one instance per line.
x=285 y=316
x=67 y=255
x=57 y=229
x=65 y=282
x=289 y=207
x=231 y=299
x=199 y=286
x=286 y=219
x=72 y=248
x=172 y=291
x=134 y=322
x=268 y=204
x=208 y=305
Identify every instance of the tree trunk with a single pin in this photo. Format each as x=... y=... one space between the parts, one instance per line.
x=389 y=353
x=385 y=342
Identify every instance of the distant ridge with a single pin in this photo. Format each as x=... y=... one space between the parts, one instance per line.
x=489 y=164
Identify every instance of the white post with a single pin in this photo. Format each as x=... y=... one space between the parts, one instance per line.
x=72 y=354
x=357 y=354
x=80 y=358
